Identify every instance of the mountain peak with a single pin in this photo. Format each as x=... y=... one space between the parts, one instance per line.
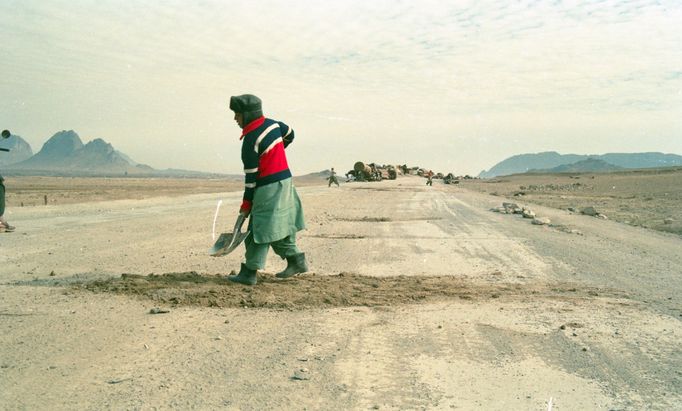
x=99 y=145
x=61 y=144
x=20 y=150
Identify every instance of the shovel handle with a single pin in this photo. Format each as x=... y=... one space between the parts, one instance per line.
x=239 y=223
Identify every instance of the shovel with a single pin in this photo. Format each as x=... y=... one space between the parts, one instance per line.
x=227 y=242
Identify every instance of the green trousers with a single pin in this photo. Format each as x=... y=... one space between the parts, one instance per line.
x=256 y=254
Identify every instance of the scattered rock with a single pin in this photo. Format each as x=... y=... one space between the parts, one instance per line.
x=118 y=381
x=157 y=310
x=541 y=221
x=510 y=208
x=554 y=187
x=602 y=216
x=528 y=213
x=589 y=211
x=301 y=375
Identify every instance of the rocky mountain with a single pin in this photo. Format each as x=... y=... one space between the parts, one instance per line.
x=548 y=160
x=65 y=153
x=590 y=165
x=20 y=150
x=642 y=160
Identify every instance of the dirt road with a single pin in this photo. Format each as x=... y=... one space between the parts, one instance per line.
x=464 y=308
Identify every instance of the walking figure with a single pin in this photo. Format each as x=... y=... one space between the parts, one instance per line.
x=270 y=198
x=333 y=179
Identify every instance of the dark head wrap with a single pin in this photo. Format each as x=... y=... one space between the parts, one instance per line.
x=248 y=106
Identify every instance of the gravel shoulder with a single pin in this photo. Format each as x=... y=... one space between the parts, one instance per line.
x=508 y=315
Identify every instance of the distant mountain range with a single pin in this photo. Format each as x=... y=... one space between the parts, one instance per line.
x=554 y=162
x=64 y=154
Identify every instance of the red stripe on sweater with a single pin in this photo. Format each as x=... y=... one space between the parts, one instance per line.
x=252 y=126
x=273 y=161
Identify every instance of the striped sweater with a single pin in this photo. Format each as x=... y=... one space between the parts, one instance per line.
x=263 y=143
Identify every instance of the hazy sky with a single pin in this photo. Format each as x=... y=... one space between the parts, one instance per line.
x=455 y=86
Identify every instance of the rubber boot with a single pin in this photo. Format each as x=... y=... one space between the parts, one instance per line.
x=246 y=276
x=296 y=264
x=4 y=225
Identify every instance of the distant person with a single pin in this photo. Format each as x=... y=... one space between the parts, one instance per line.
x=333 y=179
x=270 y=198
x=429 y=178
x=4 y=225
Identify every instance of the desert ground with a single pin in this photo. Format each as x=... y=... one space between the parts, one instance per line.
x=643 y=198
x=418 y=298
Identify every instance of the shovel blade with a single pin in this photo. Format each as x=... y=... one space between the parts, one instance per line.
x=227 y=242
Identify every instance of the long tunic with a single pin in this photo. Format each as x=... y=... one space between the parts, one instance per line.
x=276 y=212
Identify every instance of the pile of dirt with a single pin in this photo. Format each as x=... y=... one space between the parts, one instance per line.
x=315 y=291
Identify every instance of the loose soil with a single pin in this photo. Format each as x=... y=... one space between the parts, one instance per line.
x=311 y=291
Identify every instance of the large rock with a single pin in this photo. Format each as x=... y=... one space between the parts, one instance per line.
x=528 y=213
x=589 y=211
x=510 y=205
x=541 y=221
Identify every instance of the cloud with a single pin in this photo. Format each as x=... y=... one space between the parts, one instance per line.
x=338 y=67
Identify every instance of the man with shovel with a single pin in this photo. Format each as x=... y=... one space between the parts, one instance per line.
x=270 y=198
